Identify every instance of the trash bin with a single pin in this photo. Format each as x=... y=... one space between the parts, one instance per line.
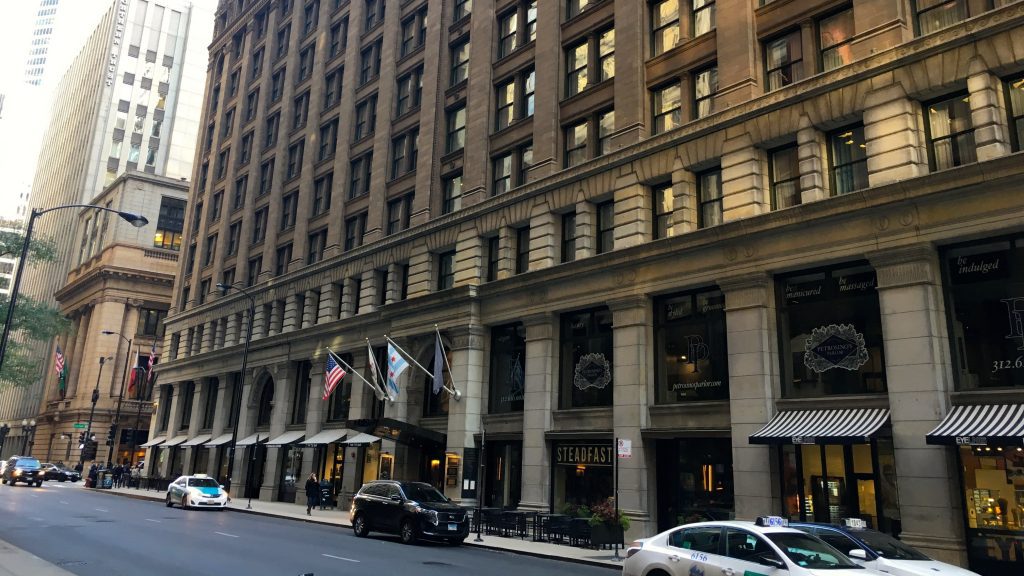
x=107 y=480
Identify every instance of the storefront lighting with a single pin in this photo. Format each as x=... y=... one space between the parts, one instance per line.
x=707 y=476
x=581 y=469
x=434 y=464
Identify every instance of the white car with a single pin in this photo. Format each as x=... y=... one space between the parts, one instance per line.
x=197 y=491
x=879 y=551
x=766 y=547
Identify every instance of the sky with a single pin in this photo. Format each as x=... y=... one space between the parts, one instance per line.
x=25 y=112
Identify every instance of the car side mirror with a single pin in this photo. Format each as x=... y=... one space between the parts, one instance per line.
x=396 y=498
x=858 y=554
x=772 y=561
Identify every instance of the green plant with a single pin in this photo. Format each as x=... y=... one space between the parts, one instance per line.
x=576 y=510
x=605 y=513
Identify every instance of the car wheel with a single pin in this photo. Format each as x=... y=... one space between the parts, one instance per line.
x=408 y=532
x=39 y=483
x=184 y=502
x=168 y=502
x=359 y=527
x=3 y=480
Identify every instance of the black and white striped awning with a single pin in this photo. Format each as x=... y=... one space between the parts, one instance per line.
x=851 y=426
x=981 y=424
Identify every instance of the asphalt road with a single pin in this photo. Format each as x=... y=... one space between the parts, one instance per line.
x=98 y=534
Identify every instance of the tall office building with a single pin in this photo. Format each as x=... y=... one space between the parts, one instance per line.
x=42 y=34
x=130 y=100
x=774 y=247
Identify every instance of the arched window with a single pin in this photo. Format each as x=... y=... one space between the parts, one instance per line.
x=266 y=404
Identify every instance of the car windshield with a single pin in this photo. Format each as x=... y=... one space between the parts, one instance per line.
x=807 y=551
x=27 y=463
x=203 y=483
x=888 y=547
x=423 y=493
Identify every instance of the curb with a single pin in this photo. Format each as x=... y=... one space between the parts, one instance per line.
x=314 y=520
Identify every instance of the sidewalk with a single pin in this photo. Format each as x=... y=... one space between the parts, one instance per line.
x=340 y=518
x=17 y=562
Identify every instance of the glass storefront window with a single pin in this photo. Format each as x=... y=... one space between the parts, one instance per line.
x=985 y=298
x=690 y=348
x=694 y=480
x=586 y=358
x=504 y=474
x=830 y=333
x=508 y=368
x=993 y=484
x=582 y=474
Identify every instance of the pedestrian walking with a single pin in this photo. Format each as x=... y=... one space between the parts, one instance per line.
x=116 y=472
x=312 y=493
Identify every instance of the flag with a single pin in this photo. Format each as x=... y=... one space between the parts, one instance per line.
x=438 y=363
x=131 y=380
x=58 y=366
x=332 y=375
x=373 y=370
x=396 y=365
x=152 y=360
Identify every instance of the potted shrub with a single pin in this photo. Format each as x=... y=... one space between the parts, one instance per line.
x=606 y=526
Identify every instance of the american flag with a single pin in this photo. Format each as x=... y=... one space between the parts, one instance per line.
x=58 y=363
x=152 y=360
x=332 y=375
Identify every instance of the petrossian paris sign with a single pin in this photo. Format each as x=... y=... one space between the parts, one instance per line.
x=835 y=346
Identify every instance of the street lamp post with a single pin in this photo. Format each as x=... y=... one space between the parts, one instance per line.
x=116 y=423
x=138 y=413
x=136 y=220
x=28 y=427
x=236 y=399
x=92 y=411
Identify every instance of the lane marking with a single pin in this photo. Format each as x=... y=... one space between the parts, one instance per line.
x=36 y=519
x=151 y=520
x=340 y=558
x=101 y=510
x=63 y=502
x=226 y=534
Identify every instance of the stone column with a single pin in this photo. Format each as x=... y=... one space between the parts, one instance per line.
x=544 y=239
x=348 y=298
x=684 y=201
x=546 y=154
x=988 y=116
x=467 y=371
x=279 y=418
x=420 y=269
x=631 y=34
x=309 y=310
x=753 y=375
x=743 y=193
x=919 y=377
x=246 y=426
x=231 y=332
x=506 y=251
x=632 y=212
x=330 y=302
x=469 y=257
x=276 y=318
x=292 y=316
x=632 y=321
x=540 y=397
x=209 y=329
x=812 y=162
x=586 y=228
x=892 y=137
x=739 y=61
x=220 y=336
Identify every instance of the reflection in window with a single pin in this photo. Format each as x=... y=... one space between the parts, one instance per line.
x=586 y=359
x=950 y=133
x=834 y=35
x=784 y=176
x=783 y=60
x=690 y=348
x=848 y=153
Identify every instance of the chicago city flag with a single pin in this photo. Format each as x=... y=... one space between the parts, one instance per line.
x=396 y=365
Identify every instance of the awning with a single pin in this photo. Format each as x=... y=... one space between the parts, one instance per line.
x=251 y=439
x=981 y=424
x=154 y=442
x=176 y=440
x=197 y=441
x=287 y=438
x=847 y=426
x=327 y=437
x=219 y=441
x=361 y=439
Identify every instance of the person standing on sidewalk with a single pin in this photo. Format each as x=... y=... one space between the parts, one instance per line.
x=312 y=493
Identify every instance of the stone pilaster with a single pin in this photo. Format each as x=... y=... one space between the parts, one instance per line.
x=349 y=298
x=469 y=257
x=812 y=162
x=293 y=305
x=330 y=302
x=506 y=251
x=586 y=228
x=631 y=34
x=546 y=153
x=892 y=137
x=276 y=318
x=988 y=115
x=631 y=378
x=743 y=193
x=420 y=270
x=231 y=332
x=466 y=357
x=209 y=329
x=309 y=308
x=221 y=335
x=753 y=372
x=544 y=239
x=739 y=60
x=284 y=381
x=919 y=377
x=684 y=202
x=367 y=292
x=633 y=206
x=540 y=399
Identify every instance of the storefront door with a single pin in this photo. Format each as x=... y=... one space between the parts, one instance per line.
x=504 y=474
x=291 y=464
x=256 y=455
x=694 y=480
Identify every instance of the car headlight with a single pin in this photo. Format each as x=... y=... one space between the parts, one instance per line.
x=17 y=472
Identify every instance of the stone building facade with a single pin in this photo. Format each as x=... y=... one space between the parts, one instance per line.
x=742 y=237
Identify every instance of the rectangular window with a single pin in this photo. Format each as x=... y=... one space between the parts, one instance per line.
x=228 y=123
x=398 y=214
x=284 y=257
x=306 y=57
x=576 y=144
x=664 y=208
x=238 y=196
x=414 y=33
x=277 y=84
x=374 y=14
x=784 y=176
x=933 y=15
x=234 y=235
x=574 y=8
x=950 y=132
x=506 y=94
x=507 y=24
x=709 y=193
x=337 y=38
x=283 y=37
x=315 y=246
x=366 y=117
x=525 y=159
x=310 y=17
x=257 y=64
x=493 y=257
x=404 y=153
x=328 y=140
x=460 y=63
x=446 y=270
x=783 y=59
x=216 y=204
x=272 y=128
x=703 y=17
x=355 y=228
x=266 y=176
x=462 y=9
x=522 y=250
x=295 y=153
x=332 y=87
x=259 y=225
x=408 y=92
x=605 y=129
x=568 y=237
x=606 y=55
x=170 y=223
x=606 y=227
x=531 y=21
x=228 y=277
x=322 y=188
x=151 y=322
x=255 y=269
x=452 y=200
x=507 y=369
x=359 y=175
x=382 y=286
x=252 y=102
x=835 y=34
x=1015 y=109
x=455 y=130
x=245 y=154
x=690 y=354
x=289 y=206
x=667 y=108
x=585 y=339
x=705 y=85
x=664 y=26
x=300 y=110
x=849 y=159
x=502 y=181
x=223 y=160
x=369 y=63
x=576 y=68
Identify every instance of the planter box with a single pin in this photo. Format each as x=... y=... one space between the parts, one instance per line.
x=605 y=535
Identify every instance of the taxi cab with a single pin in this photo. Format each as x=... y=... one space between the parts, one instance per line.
x=878 y=550
x=196 y=491
x=766 y=547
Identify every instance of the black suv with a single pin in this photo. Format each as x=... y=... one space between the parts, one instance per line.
x=410 y=509
x=22 y=469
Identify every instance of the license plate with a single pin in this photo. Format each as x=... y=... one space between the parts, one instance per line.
x=452 y=527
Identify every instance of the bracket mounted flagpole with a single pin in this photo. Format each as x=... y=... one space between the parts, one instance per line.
x=455 y=393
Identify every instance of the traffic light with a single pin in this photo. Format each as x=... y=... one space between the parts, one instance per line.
x=110 y=434
x=81 y=439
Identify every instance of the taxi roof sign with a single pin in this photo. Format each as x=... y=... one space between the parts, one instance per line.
x=772 y=521
x=200 y=476
x=854 y=523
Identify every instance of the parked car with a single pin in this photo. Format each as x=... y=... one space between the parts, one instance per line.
x=877 y=550
x=22 y=469
x=766 y=547
x=196 y=491
x=54 y=472
x=412 y=510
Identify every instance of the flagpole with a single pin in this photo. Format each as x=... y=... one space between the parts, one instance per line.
x=376 y=370
x=353 y=372
x=455 y=393
x=453 y=390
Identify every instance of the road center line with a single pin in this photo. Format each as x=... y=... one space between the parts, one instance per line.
x=101 y=509
x=63 y=502
x=340 y=558
x=226 y=534
x=151 y=520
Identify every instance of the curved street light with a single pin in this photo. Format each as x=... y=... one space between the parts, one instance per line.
x=136 y=220
x=116 y=423
x=236 y=399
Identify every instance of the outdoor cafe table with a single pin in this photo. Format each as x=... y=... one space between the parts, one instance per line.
x=540 y=525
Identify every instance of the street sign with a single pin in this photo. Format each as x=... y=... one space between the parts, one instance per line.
x=79 y=425
x=625 y=448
